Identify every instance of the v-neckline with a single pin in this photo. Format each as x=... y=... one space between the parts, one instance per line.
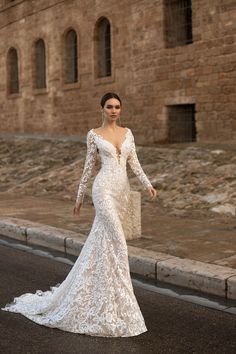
x=125 y=136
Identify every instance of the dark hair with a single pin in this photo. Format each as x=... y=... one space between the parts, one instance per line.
x=109 y=95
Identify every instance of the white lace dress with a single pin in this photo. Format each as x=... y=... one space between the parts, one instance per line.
x=96 y=298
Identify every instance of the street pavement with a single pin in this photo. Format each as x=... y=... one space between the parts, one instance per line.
x=174 y=326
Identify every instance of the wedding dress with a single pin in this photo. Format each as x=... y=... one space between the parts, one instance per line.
x=96 y=297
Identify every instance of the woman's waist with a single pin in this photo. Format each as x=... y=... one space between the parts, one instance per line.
x=112 y=181
x=113 y=168
x=114 y=174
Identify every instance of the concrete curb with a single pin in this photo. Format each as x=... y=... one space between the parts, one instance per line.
x=205 y=277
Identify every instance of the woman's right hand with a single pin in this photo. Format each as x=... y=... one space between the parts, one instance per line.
x=76 y=211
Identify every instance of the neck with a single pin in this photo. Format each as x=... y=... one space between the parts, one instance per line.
x=110 y=125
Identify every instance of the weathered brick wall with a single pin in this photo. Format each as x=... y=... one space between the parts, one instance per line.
x=146 y=74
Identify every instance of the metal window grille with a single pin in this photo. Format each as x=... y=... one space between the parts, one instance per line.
x=71 y=57
x=40 y=64
x=178 y=22
x=13 y=75
x=104 y=48
x=181 y=123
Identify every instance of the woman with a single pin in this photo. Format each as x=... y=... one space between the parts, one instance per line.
x=97 y=297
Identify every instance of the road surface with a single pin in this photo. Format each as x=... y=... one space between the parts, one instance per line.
x=174 y=326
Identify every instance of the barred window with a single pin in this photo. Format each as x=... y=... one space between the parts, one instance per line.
x=178 y=22
x=40 y=64
x=71 y=57
x=103 y=48
x=181 y=123
x=12 y=71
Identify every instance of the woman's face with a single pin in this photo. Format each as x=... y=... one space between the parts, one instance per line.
x=112 y=109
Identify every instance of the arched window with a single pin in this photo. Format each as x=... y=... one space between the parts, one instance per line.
x=71 y=57
x=40 y=64
x=103 y=39
x=12 y=71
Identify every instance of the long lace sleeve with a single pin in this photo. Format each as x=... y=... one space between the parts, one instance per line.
x=89 y=164
x=136 y=167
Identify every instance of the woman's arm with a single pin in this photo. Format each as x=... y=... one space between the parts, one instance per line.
x=89 y=164
x=136 y=167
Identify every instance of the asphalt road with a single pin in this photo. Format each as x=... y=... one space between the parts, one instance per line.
x=174 y=326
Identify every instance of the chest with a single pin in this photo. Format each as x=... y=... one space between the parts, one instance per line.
x=107 y=149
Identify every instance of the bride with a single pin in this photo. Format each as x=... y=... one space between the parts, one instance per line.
x=97 y=298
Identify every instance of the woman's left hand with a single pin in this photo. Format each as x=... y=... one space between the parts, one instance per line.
x=152 y=192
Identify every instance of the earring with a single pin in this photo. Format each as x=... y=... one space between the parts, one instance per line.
x=102 y=118
x=119 y=122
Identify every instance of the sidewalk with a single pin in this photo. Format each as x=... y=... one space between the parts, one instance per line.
x=197 y=254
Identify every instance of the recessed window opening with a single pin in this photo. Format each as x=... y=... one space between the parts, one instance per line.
x=178 y=22
x=40 y=64
x=103 y=48
x=71 y=57
x=181 y=123
x=12 y=71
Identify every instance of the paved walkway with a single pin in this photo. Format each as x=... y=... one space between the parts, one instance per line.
x=202 y=240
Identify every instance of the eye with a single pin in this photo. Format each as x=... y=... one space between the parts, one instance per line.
x=117 y=107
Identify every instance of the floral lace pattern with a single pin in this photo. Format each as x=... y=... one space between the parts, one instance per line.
x=97 y=296
x=94 y=142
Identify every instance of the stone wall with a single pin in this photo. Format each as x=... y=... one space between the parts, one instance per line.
x=147 y=75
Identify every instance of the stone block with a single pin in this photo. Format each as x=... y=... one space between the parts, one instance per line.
x=74 y=244
x=143 y=262
x=205 y=277
x=47 y=236
x=231 y=282
x=14 y=228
